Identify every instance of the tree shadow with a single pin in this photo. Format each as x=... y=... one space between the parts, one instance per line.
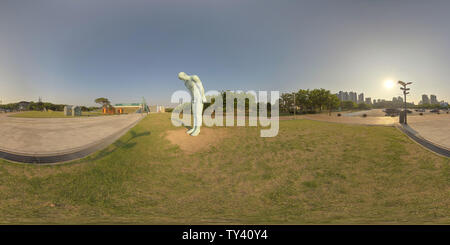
x=127 y=144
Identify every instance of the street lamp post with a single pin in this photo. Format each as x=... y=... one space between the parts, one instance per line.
x=405 y=92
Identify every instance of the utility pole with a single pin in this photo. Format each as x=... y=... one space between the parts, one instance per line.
x=405 y=92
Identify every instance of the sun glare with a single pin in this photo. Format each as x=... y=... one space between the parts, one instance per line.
x=388 y=84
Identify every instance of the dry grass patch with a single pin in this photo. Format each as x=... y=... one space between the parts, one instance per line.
x=189 y=144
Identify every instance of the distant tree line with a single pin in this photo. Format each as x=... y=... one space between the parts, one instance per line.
x=310 y=101
x=432 y=106
x=41 y=106
x=318 y=100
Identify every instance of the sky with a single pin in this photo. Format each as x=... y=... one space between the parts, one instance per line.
x=73 y=51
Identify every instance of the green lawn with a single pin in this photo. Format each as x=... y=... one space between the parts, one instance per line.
x=311 y=173
x=50 y=114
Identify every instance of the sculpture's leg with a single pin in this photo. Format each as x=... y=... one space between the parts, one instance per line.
x=192 y=126
x=198 y=111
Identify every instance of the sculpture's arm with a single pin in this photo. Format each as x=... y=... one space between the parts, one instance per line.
x=196 y=79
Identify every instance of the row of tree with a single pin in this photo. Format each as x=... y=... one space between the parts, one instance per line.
x=40 y=106
x=309 y=101
x=432 y=106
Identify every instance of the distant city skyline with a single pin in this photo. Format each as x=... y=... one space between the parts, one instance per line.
x=72 y=52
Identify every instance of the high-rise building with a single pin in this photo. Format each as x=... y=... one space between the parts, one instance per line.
x=353 y=96
x=342 y=96
x=433 y=99
x=361 y=98
x=345 y=96
x=339 y=95
x=368 y=100
x=399 y=99
x=425 y=99
x=374 y=101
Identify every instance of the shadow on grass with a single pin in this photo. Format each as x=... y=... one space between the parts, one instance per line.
x=182 y=124
x=120 y=144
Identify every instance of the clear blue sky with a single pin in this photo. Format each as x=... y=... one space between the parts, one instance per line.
x=73 y=51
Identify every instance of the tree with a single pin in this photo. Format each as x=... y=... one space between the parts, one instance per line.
x=314 y=97
x=286 y=102
x=348 y=105
x=333 y=102
x=103 y=101
x=363 y=106
x=319 y=98
x=302 y=99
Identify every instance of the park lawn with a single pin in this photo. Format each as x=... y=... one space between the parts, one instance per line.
x=311 y=173
x=50 y=114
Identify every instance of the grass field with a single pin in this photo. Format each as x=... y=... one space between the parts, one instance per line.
x=311 y=173
x=50 y=114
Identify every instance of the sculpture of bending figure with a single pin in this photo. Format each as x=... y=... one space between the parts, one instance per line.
x=195 y=87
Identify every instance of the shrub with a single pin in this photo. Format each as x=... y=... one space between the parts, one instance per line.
x=169 y=109
x=364 y=115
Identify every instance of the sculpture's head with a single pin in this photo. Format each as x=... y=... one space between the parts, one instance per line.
x=183 y=76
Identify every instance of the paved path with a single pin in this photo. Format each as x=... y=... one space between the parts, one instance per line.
x=414 y=135
x=43 y=139
x=434 y=128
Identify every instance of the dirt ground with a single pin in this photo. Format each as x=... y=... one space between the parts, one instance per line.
x=190 y=144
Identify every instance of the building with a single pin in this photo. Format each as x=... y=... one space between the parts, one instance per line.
x=339 y=95
x=132 y=107
x=361 y=98
x=128 y=108
x=109 y=110
x=425 y=100
x=433 y=99
x=343 y=96
x=157 y=109
x=368 y=100
x=353 y=97
x=23 y=105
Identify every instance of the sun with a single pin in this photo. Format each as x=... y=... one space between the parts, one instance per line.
x=388 y=84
